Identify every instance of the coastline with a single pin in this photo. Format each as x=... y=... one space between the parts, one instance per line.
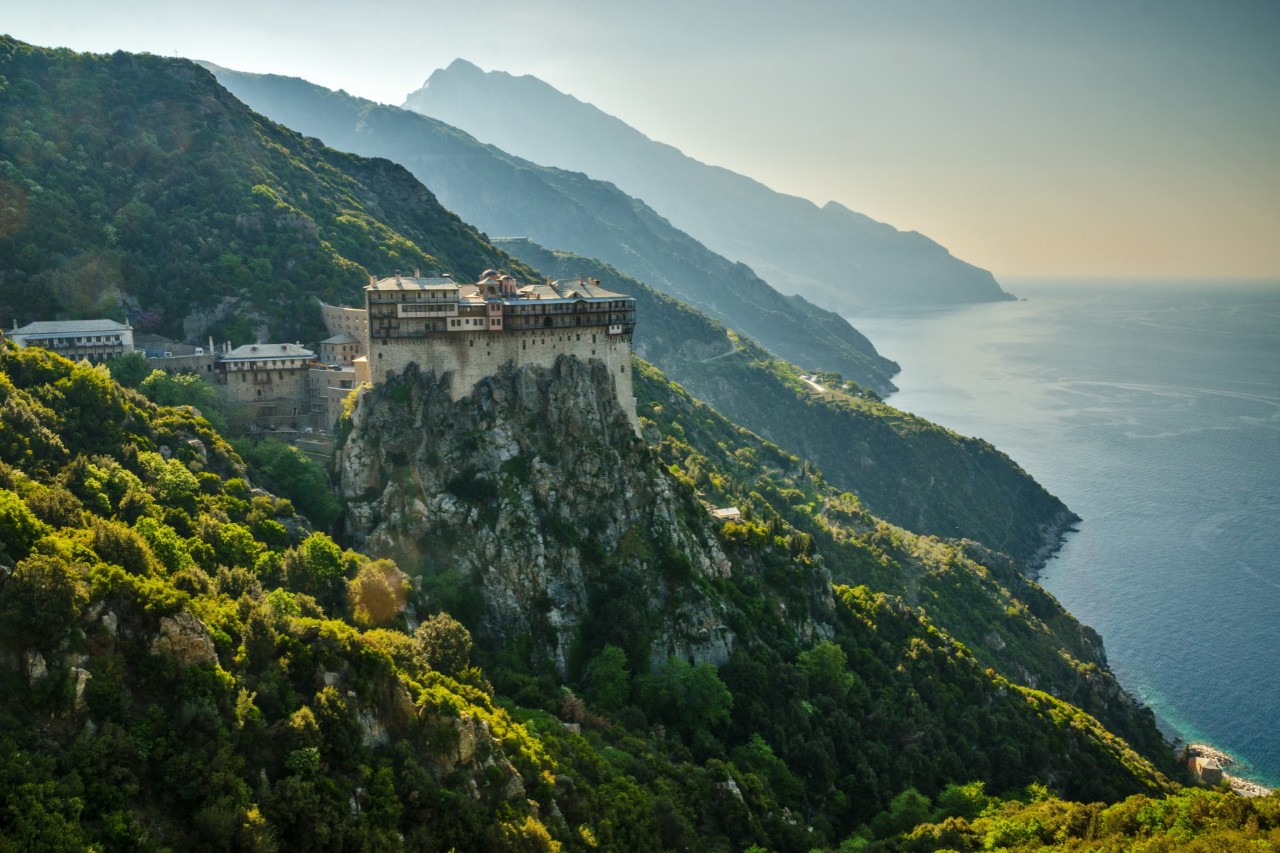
x=976 y=363
x=1243 y=787
x=1053 y=535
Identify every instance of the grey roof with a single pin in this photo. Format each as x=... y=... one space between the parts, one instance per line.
x=71 y=327
x=412 y=283
x=264 y=352
x=341 y=338
x=570 y=289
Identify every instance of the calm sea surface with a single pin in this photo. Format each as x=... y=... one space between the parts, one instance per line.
x=1153 y=411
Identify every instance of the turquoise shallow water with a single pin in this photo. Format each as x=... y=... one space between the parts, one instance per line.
x=1153 y=411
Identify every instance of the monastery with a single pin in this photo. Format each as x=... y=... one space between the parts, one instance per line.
x=471 y=330
x=467 y=331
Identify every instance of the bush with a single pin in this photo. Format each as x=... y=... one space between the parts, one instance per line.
x=41 y=600
x=445 y=643
x=19 y=528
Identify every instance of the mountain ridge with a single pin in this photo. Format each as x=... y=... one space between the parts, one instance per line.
x=849 y=263
x=137 y=184
x=913 y=473
x=509 y=196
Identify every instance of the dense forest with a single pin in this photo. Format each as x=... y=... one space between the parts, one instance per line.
x=133 y=183
x=186 y=663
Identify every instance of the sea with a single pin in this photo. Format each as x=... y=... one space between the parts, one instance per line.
x=1152 y=409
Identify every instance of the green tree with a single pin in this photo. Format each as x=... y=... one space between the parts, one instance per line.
x=287 y=471
x=826 y=667
x=966 y=801
x=38 y=817
x=316 y=568
x=19 y=528
x=41 y=599
x=907 y=810
x=445 y=643
x=129 y=369
x=687 y=698
x=185 y=389
x=92 y=409
x=608 y=679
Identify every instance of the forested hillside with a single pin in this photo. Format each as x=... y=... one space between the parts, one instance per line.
x=907 y=470
x=134 y=183
x=531 y=633
x=186 y=664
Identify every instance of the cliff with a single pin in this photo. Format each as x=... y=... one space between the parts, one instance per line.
x=908 y=471
x=535 y=494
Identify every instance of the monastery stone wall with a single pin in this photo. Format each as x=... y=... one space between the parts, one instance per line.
x=472 y=356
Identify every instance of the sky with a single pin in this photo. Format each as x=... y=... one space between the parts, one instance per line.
x=1084 y=138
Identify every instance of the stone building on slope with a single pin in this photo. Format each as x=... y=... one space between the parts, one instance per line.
x=472 y=330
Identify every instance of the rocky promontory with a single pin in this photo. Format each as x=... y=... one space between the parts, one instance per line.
x=534 y=497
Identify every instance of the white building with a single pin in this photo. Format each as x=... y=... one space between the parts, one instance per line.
x=94 y=340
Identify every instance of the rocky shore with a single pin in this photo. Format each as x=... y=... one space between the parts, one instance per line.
x=1243 y=787
x=1053 y=536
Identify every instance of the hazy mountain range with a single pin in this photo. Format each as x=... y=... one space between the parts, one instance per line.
x=831 y=255
x=507 y=196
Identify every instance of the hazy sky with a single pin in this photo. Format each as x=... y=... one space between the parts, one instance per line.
x=1061 y=138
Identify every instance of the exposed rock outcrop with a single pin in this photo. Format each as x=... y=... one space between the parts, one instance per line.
x=185 y=639
x=535 y=490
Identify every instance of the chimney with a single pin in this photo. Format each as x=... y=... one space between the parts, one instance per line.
x=372 y=279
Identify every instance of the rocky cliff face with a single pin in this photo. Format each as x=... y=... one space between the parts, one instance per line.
x=535 y=493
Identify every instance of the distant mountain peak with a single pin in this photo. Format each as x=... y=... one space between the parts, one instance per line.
x=461 y=64
x=835 y=256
